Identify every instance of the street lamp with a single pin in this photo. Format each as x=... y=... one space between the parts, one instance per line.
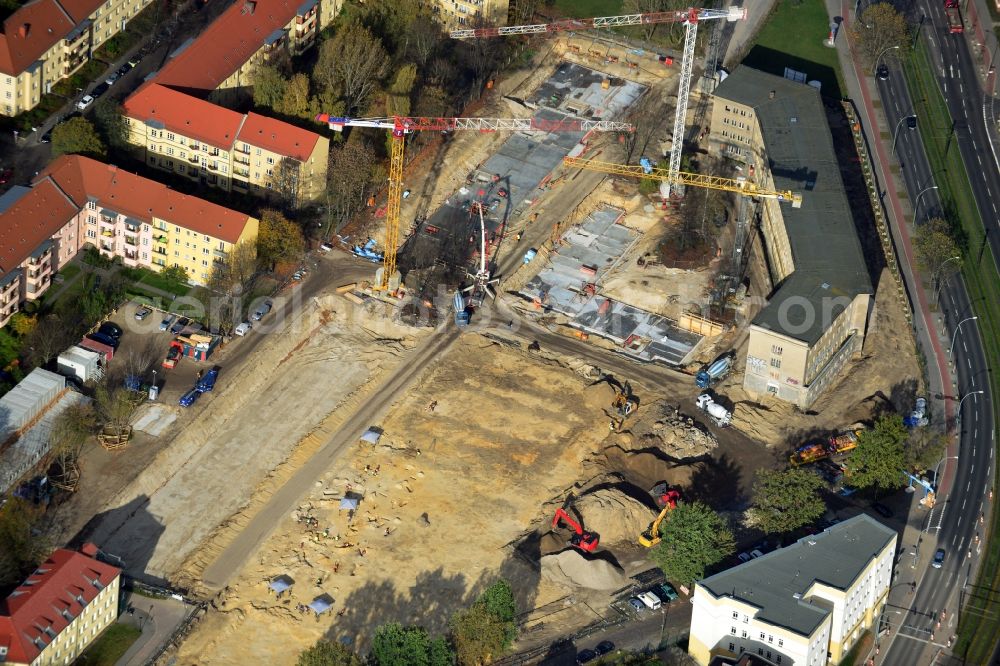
x=958 y=412
x=895 y=132
x=937 y=277
x=916 y=203
x=958 y=329
x=882 y=53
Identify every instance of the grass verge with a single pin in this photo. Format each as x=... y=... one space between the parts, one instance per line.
x=111 y=645
x=979 y=620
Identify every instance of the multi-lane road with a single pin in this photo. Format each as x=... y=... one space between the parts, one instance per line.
x=926 y=621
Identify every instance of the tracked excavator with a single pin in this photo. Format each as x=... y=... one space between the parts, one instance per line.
x=624 y=403
x=582 y=539
x=668 y=500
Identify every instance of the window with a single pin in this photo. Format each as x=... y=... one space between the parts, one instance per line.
x=775 y=362
x=762 y=635
x=777 y=658
x=770 y=639
x=744 y=634
x=170 y=137
x=732 y=630
x=776 y=350
x=760 y=651
x=781 y=642
x=270 y=160
x=92 y=205
x=91 y=233
x=732 y=647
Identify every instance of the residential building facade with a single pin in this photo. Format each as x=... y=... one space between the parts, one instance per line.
x=145 y=223
x=48 y=40
x=456 y=14
x=803 y=605
x=59 y=610
x=235 y=152
x=820 y=292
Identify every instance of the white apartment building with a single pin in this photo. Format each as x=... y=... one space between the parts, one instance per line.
x=803 y=605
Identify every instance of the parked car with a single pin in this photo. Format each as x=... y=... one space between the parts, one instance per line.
x=243 y=329
x=124 y=69
x=100 y=89
x=142 y=313
x=754 y=554
x=585 y=656
x=882 y=510
x=189 y=398
x=173 y=355
x=938 y=558
x=883 y=72
x=167 y=321
x=112 y=330
x=666 y=592
x=261 y=311
x=744 y=557
x=325 y=247
x=636 y=605
x=603 y=648
x=5 y=175
x=103 y=339
x=207 y=383
x=114 y=76
x=85 y=103
x=179 y=325
x=47 y=137
x=650 y=600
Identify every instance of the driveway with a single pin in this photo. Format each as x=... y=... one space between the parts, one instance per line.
x=158 y=619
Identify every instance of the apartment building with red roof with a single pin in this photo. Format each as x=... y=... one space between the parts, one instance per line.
x=77 y=200
x=212 y=145
x=60 y=609
x=47 y=40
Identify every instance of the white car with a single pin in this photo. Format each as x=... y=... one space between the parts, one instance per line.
x=243 y=329
x=85 y=102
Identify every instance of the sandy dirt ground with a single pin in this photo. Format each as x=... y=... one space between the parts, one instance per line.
x=238 y=434
x=445 y=491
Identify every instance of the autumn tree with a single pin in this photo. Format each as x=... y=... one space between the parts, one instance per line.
x=937 y=250
x=278 y=239
x=397 y=102
x=72 y=428
x=109 y=120
x=176 y=273
x=295 y=98
x=482 y=632
x=424 y=39
x=115 y=407
x=785 y=500
x=693 y=539
x=878 y=459
x=881 y=29
x=20 y=548
x=77 y=136
x=23 y=323
x=328 y=653
x=286 y=182
x=351 y=177
x=269 y=85
x=50 y=336
x=351 y=65
x=234 y=274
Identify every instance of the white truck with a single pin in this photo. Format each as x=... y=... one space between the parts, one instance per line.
x=719 y=414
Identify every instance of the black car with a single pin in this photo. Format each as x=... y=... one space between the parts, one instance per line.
x=603 y=648
x=104 y=340
x=883 y=72
x=99 y=90
x=47 y=137
x=585 y=656
x=179 y=325
x=882 y=510
x=113 y=331
x=124 y=69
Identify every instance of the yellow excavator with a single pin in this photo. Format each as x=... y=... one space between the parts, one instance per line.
x=623 y=405
x=651 y=536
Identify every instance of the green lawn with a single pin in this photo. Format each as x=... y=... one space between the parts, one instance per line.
x=111 y=645
x=143 y=276
x=589 y=8
x=979 y=622
x=793 y=37
x=69 y=271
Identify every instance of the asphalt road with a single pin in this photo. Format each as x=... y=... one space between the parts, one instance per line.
x=954 y=524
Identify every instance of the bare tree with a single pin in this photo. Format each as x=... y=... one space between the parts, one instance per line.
x=352 y=64
x=350 y=179
x=425 y=37
x=50 y=336
x=443 y=72
x=286 y=181
x=647 y=119
x=116 y=408
x=69 y=435
x=141 y=358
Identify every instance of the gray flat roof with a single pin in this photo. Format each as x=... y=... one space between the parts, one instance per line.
x=827 y=254
x=834 y=558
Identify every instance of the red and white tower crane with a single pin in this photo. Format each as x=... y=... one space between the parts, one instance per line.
x=689 y=17
x=387 y=279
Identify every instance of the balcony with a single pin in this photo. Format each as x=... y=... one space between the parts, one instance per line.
x=221 y=254
x=193 y=159
x=131 y=240
x=241 y=172
x=241 y=185
x=161 y=239
x=241 y=160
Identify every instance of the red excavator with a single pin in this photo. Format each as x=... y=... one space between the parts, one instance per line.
x=585 y=541
x=664 y=496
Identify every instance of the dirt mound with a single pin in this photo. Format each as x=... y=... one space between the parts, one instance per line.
x=614 y=515
x=661 y=427
x=571 y=569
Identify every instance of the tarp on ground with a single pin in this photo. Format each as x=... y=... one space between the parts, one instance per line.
x=372 y=435
x=349 y=504
x=281 y=583
x=322 y=603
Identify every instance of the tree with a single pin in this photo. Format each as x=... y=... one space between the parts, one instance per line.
x=694 y=538
x=234 y=273
x=432 y=101
x=269 y=85
x=327 y=653
x=785 y=500
x=350 y=178
x=351 y=65
x=278 y=239
x=881 y=29
x=936 y=247
x=110 y=121
x=69 y=434
x=925 y=448
x=489 y=627
x=425 y=37
x=395 y=644
x=175 y=273
x=115 y=407
x=77 y=135
x=23 y=324
x=50 y=336
x=397 y=102
x=286 y=181
x=879 y=458
x=20 y=549
x=295 y=98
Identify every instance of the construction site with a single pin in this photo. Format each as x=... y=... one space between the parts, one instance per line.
x=362 y=467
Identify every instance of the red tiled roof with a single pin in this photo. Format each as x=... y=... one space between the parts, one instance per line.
x=38 y=604
x=80 y=9
x=227 y=44
x=31 y=31
x=30 y=221
x=190 y=116
x=82 y=179
x=278 y=137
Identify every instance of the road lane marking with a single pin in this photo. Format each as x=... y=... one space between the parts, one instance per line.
x=979 y=159
x=965 y=347
x=964 y=501
x=969 y=362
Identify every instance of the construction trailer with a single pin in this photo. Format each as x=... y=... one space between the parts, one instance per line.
x=84 y=364
x=197 y=346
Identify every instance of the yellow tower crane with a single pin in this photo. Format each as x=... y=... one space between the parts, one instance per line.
x=650 y=172
x=388 y=279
